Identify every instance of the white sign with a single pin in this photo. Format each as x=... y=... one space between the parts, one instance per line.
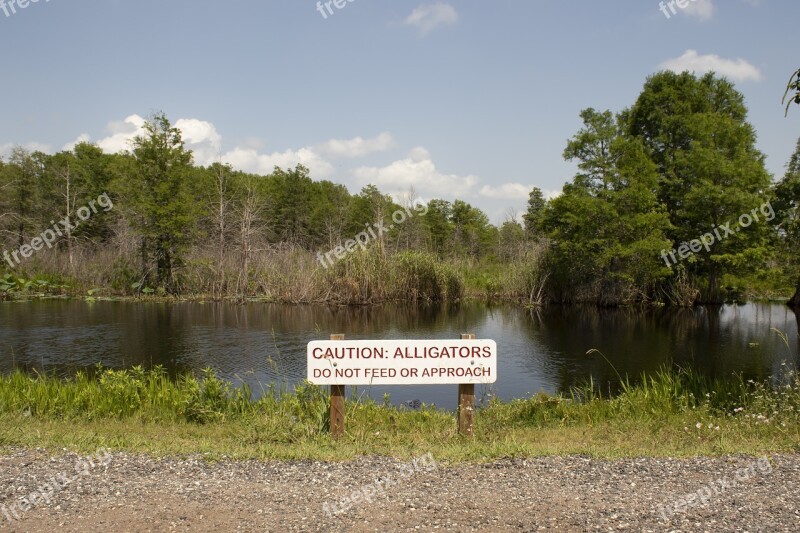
x=397 y=362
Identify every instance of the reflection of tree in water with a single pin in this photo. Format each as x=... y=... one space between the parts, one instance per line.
x=156 y=337
x=797 y=317
x=712 y=340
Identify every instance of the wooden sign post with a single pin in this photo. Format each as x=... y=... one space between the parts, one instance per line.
x=337 y=403
x=466 y=401
x=463 y=362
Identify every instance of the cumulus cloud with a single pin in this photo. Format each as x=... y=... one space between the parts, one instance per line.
x=510 y=191
x=428 y=17
x=250 y=160
x=205 y=142
x=701 y=9
x=202 y=138
x=735 y=69
x=122 y=133
x=358 y=146
x=419 y=153
x=416 y=171
x=6 y=149
x=82 y=138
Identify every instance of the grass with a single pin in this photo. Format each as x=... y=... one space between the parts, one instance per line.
x=674 y=413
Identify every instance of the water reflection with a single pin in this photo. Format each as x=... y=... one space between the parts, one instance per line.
x=261 y=343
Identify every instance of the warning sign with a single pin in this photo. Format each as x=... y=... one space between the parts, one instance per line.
x=392 y=362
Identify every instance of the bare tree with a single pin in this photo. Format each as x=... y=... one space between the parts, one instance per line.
x=410 y=234
x=70 y=195
x=221 y=215
x=249 y=214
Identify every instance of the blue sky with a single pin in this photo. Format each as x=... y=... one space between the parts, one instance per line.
x=457 y=99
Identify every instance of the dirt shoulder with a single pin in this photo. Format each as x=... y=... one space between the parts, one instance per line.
x=126 y=492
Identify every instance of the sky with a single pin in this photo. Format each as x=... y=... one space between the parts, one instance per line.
x=466 y=99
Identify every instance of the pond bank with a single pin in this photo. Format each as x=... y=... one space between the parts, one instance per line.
x=672 y=414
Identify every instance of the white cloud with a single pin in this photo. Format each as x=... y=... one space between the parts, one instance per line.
x=203 y=139
x=428 y=17
x=735 y=69
x=6 y=149
x=416 y=171
x=506 y=191
x=249 y=160
x=82 y=138
x=702 y=9
x=200 y=137
x=419 y=153
x=122 y=132
x=358 y=146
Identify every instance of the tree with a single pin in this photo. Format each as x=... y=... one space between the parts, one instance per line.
x=249 y=209
x=607 y=227
x=438 y=226
x=159 y=197
x=792 y=93
x=787 y=206
x=63 y=168
x=533 y=216
x=22 y=181
x=472 y=233
x=329 y=215
x=511 y=241
x=372 y=208
x=709 y=171
x=219 y=197
x=94 y=174
x=291 y=205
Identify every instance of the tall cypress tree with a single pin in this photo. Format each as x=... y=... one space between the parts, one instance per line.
x=710 y=172
x=159 y=196
x=787 y=205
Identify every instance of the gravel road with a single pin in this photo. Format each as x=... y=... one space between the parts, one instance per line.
x=126 y=492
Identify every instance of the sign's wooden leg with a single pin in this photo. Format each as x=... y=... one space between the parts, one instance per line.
x=337 y=403
x=466 y=402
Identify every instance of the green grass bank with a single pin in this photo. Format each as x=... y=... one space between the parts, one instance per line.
x=675 y=413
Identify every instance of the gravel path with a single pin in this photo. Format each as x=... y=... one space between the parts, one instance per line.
x=125 y=492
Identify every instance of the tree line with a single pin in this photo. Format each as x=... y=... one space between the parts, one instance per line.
x=651 y=178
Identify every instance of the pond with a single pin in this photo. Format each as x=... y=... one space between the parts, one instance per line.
x=261 y=343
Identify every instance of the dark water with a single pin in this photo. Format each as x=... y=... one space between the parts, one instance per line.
x=262 y=343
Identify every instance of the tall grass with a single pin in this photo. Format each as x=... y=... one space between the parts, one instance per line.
x=152 y=395
x=286 y=274
x=672 y=413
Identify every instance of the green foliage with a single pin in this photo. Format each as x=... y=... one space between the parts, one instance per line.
x=671 y=412
x=122 y=394
x=420 y=277
x=607 y=227
x=787 y=223
x=533 y=216
x=11 y=285
x=792 y=93
x=709 y=170
x=158 y=196
x=678 y=163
